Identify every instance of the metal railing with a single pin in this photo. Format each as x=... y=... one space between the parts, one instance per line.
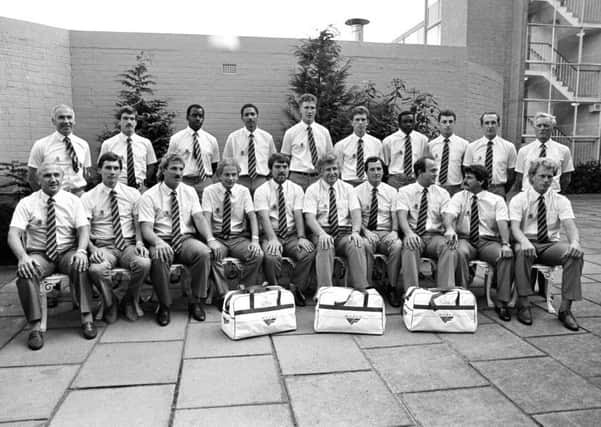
x=587 y=11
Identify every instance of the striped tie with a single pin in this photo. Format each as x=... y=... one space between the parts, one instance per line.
x=252 y=158
x=541 y=221
x=372 y=223
x=543 y=150
x=360 y=161
x=177 y=239
x=198 y=157
x=282 y=223
x=51 y=247
x=422 y=216
x=333 y=214
x=131 y=171
x=474 y=221
x=444 y=163
x=72 y=154
x=312 y=146
x=226 y=224
x=116 y=219
x=408 y=157
x=488 y=161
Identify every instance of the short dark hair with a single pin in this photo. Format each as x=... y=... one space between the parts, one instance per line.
x=359 y=109
x=249 y=106
x=306 y=97
x=109 y=156
x=447 y=113
x=373 y=159
x=404 y=113
x=278 y=157
x=420 y=165
x=127 y=109
x=488 y=113
x=480 y=173
x=194 y=106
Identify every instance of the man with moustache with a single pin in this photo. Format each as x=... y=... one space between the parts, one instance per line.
x=169 y=215
x=198 y=148
x=136 y=151
x=496 y=154
x=49 y=232
x=333 y=214
x=477 y=224
x=355 y=148
x=63 y=148
x=251 y=148
x=306 y=142
x=380 y=225
x=115 y=237
x=448 y=149
x=420 y=207
x=227 y=206
x=279 y=204
x=402 y=149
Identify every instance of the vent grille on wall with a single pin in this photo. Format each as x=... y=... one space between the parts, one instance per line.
x=229 y=68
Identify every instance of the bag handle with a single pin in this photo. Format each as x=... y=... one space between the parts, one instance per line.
x=365 y=298
x=432 y=302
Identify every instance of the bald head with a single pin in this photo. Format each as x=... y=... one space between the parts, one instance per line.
x=50 y=177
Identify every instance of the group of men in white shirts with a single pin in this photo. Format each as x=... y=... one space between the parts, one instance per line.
x=444 y=199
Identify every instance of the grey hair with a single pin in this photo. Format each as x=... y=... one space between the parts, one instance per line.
x=545 y=163
x=47 y=164
x=328 y=159
x=547 y=116
x=228 y=161
x=166 y=161
x=58 y=107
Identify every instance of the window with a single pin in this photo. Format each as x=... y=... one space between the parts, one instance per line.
x=434 y=35
x=229 y=68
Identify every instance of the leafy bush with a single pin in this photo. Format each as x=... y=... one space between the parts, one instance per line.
x=586 y=178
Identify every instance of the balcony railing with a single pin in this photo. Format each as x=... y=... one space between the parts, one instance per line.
x=587 y=11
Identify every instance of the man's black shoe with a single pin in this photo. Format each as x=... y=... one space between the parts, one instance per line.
x=89 y=330
x=525 y=315
x=35 y=340
x=163 y=316
x=567 y=319
x=197 y=311
x=395 y=298
x=504 y=313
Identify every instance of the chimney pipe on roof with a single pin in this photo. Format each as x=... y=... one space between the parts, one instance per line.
x=357 y=25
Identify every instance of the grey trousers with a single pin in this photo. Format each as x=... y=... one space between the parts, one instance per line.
x=237 y=247
x=304 y=263
x=400 y=180
x=302 y=179
x=393 y=250
x=432 y=246
x=252 y=184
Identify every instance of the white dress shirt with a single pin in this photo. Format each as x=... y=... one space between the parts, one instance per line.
x=393 y=148
x=236 y=147
x=523 y=207
x=387 y=204
x=266 y=199
x=457 y=148
x=491 y=210
x=141 y=149
x=155 y=208
x=97 y=203
x=240 y=205
x=53 y=149
x=504 y=157
x=317 y=202
x=30 y=216
x=556 y=151
x=183 y=143
x=409 y=199
x=296 y=145
x=346 y=151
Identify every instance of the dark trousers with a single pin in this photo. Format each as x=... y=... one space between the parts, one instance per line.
x=304 y=263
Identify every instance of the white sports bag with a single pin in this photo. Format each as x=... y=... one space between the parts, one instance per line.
x=252 y=313
x=349 y=311
x=440 y=310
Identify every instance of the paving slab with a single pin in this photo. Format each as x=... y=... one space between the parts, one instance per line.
x=424 y=367
x=304 y=321
x=396 y=335
x=124 y=406
x=10 y=287
x=65 y=316
x=581 y=353
x=210 y=341
x=591 y=324
x=592 y=292
x=482 y=406
x=212 y=315
x=146 y=329
x=540 y=384
x=9 y=327
x=595 y=381
x=586 y=418
x=235 y=416
x=10 y=305
x=61 y=346
x=7 y=273
x=583 y=308
x=33 y=392
x=543 y=324
x=131 y=364
x=24 y=424
x=485 y=316
x=333 y=400
x=591 y=268
x=311 y=354
x=490 y=342
x=229 y=381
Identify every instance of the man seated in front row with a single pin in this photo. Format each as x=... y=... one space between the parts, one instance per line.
x=333 y=214
x=169 y=212
x=279 y=204
x=52 y=224
x=481 y=221
x=226 y=206
x=536 y=216
x=420 y=207
x=115 y=237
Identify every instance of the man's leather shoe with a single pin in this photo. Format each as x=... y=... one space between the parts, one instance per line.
x=567 y=319
x=129 y=311
x=299 y=298
x=197 y=311
x=219 y=303
x=163 y=316
x=525 y=315
x=504 y=314
x=89 y=330
x=35 y=340
x=110 y=315
x=395 y=298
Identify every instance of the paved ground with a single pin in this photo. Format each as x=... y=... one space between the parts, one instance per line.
x=190 y=374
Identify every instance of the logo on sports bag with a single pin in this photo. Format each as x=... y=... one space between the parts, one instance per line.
x=268 y=320
x=446 y=317
x=352 y=319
